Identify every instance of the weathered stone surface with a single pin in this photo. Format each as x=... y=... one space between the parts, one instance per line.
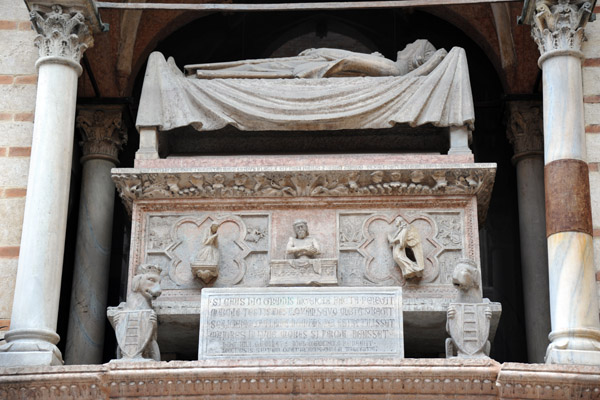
x=464 y=379
x=18 y=53
x=437 y=92
x=591 y=113
x=308 y=181
x=14 y=171
x=135 y=321
x=18 y=98
x=11 y=215
x=13 y=10
x=295 y=323
x=8 y=270
x=18 y=134
x=318 y=272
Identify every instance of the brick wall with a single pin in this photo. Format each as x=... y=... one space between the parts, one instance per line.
x=591 y=99
x=17 y=102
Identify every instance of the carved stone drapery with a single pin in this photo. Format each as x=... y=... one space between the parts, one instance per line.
x=524 y=128
x=61 y=34
x=559 y=27
x=103 y=133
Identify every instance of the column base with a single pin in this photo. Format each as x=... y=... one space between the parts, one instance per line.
x=29 y=358
x=30 y=347
x=576 y=346
x=580 y=357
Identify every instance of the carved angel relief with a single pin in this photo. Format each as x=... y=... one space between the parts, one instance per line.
x=206 y=264
x=407 y=249
x=197 y=250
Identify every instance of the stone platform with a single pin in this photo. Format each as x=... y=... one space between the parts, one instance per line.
x=407 y=379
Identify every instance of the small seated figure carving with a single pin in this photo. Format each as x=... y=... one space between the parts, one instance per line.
x=134 y=321
x=302 y=246
x=303 y=264
x=406 y=237
x=468 y=319
x=206 y=264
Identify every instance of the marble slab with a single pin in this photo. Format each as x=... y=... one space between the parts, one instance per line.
x=275 y=323
x=314 y=272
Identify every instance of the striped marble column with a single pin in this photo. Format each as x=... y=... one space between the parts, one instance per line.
x=103 y=136
x=524 y=131
x=575 y=336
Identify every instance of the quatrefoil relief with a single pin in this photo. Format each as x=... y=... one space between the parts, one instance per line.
x=187 y=235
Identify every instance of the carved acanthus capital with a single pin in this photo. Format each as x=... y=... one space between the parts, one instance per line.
x=558 y=27
x=524 y=128
x=62 y=34
x=103 y=133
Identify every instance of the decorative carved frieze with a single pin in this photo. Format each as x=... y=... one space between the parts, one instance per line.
x=62 y=34
x=138 y=184
x=459 y=377
x=103 y=133
x=524 y=128
x=559 y=26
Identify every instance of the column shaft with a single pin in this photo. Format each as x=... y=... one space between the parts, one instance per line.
x=32 y=336
x=102 y=138
x=525 y=134
x=575 y=336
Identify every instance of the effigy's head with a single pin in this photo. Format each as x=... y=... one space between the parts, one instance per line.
x=301 y=228
x=416 y=53
x=465 y=275
x=147 y=281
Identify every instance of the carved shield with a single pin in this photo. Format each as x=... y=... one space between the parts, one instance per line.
x=470 y=328
x=134 y=330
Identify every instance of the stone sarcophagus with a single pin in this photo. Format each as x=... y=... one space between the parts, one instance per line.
x=359 y=220
x=355 y=216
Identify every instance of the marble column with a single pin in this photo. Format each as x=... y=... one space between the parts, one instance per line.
x=524 y=131
x=103 y=136
x=575 y=338
x=31 y=340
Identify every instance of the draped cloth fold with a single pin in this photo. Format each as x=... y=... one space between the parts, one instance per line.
x=438 y=93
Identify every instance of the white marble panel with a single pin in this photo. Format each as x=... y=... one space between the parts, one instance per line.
x=573 y=299
x=563 y=111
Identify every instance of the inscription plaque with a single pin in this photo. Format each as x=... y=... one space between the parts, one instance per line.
x=301 y=322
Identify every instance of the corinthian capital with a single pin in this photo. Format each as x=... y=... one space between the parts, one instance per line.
x=62 y=34
x=524 y=128
x=103 y=133
x=558 y=27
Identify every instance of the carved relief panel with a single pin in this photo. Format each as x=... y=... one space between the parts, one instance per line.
x=366 y=256
x=359 y=239
x=174 y=240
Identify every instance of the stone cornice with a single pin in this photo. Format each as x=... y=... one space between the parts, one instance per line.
x=255 y=182
x=431 y=378
x=63 y=35
x=103 y=133
x=558 y=28
x=524 y=128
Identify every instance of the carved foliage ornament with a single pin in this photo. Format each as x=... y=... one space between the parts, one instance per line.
x=103 y=133
x=135 y=184
x=559 y=27
x=525 y=127
x=61 y=34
